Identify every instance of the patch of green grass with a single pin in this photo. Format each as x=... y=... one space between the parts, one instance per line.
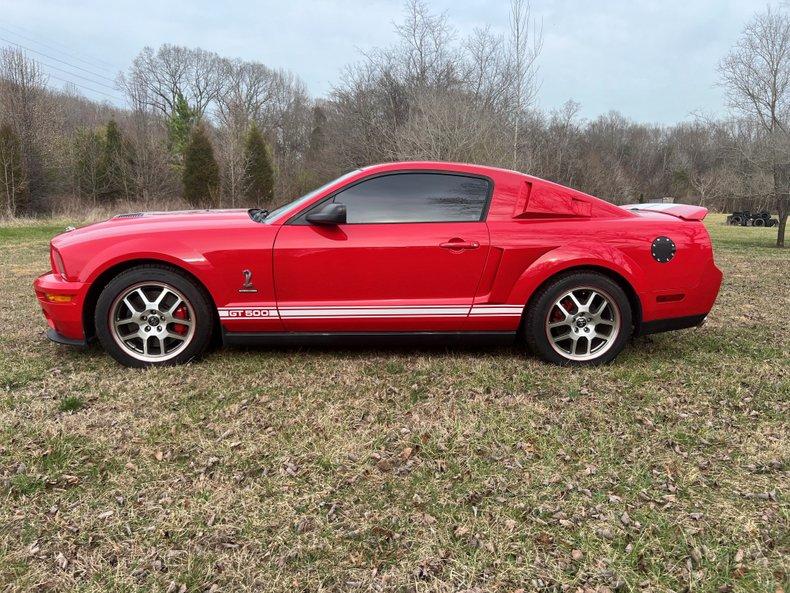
x=71 y=403
x=32 y=232
x=13 y=570
x=24 y=485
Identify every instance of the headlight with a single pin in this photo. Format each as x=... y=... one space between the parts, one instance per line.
x=57 y=263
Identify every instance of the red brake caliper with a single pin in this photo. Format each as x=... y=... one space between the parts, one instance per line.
x=180 y=313
x=557 y=314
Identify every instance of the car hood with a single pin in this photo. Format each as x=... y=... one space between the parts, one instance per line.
x=210 y=212
x=150 y=222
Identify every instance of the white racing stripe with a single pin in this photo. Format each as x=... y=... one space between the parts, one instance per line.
x=236 y=313
x=247 y=312
x=375 y=312
x=496 y=310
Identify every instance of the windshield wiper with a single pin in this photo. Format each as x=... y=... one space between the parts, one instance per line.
x=258 y=214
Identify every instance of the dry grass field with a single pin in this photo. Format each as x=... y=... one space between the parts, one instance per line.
x=443 y=469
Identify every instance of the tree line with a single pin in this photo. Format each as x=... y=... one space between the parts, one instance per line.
x=217 y=132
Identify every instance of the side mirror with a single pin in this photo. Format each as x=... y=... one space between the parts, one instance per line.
x=331 y=214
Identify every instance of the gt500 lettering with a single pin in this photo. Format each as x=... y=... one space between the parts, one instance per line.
x=246 y=313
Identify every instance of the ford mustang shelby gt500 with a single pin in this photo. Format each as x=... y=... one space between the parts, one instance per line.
x=418 y=248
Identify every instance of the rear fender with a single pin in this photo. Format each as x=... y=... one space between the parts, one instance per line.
x=569 y=257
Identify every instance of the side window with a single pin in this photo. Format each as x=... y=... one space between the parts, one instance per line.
x=416 y=197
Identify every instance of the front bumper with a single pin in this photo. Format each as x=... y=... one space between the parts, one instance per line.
x=58 y=339
x=64 y=318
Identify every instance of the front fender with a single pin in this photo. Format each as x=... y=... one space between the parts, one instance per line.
x=581 y=255
x=178 y=254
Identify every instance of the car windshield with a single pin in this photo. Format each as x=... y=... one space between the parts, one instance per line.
x=291 y=206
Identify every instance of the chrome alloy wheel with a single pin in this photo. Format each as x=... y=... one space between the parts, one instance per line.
x=152 y=321
x=583 y=323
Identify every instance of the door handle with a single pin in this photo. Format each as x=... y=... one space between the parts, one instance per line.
x=459 y=244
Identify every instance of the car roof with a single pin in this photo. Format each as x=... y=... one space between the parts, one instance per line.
x=440 y=166
x=497 y=174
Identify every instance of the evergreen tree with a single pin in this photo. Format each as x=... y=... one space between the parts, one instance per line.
x=258 y=170
x=13 y=185
x=317 y=142
x=179 y=126
x=88 y=147
x=112 y=163
x=201 y=172
x=319 y=167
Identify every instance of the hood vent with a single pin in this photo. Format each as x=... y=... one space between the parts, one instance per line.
x=130 y=215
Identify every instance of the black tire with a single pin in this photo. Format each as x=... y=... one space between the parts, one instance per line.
x=736 y=221
x=543 y=304
x=759 y=222
x=175 y=281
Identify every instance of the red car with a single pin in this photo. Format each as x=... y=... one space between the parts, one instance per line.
x=400 y=249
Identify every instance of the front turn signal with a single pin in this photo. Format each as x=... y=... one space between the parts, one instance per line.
x=59 y=298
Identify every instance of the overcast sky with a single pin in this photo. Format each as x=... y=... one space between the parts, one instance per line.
x=652 y=60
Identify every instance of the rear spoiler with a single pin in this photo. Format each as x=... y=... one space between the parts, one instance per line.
x=682 y=211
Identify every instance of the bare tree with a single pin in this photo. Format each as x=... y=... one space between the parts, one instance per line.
x=486 y=70
x=710 y=185
x=450 y=127
x=150 y=168
x=23 y=105
x=526 y=43
x=161 y=76
x=286 y=124
x=425 y=48
x=426 y=97
x=756 y=75
x=247 y=90
x=12 y=177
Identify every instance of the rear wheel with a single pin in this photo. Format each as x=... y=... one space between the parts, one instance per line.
x=153 y=315
x=579 y=318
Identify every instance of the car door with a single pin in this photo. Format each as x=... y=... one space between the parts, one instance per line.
x=408 y=258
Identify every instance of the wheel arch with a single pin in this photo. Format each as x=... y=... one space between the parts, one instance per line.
x=614 y=276
x=98 y=284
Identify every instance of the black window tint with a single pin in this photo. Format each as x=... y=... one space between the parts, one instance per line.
x=416 y=197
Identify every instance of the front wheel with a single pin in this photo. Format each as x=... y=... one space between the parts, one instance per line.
x=153 y=315
x=579 y=318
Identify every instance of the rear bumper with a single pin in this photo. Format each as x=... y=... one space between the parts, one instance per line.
x=671 y=324
x=679 y=308
x=64 y=318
